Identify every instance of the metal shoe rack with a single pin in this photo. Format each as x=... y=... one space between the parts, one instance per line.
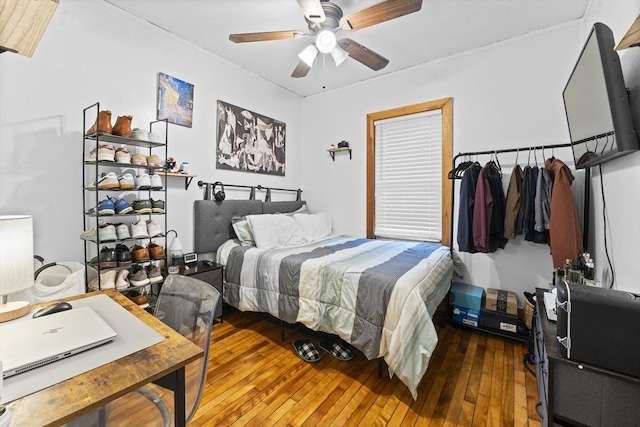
x=92 y=197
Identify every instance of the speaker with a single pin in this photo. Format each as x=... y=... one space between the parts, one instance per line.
x=219 y=196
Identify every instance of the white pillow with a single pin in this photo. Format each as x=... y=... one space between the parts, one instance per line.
x=314 y=227
x=275 y=231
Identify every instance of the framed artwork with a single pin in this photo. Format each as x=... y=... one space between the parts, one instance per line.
x=249 y=142
x=175 y=100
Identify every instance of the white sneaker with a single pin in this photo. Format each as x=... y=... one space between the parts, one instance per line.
x=122 y=231
x=108 y=279
x=153 y=228
x=106 y=153
x=108 y=181
x=121 y=280
x=156 y=182
x=123 y=155
x=126 y=181
x=139 y=230
x=143 y=182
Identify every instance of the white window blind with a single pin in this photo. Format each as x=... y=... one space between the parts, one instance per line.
x=408 y=177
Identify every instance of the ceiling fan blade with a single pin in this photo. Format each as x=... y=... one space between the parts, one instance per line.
x=312 y=10
x=301 y=70
x=363 y=55
x=381 y=12
x=265 y=36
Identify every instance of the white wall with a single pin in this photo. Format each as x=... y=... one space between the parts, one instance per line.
x=93 y=52
x=508 y=95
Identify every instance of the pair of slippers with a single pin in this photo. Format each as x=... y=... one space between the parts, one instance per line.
x=308 y=352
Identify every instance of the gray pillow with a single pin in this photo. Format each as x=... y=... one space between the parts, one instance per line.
x=243 y=231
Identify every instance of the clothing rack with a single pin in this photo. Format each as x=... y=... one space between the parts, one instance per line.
x=252 y=193
x=587 y=181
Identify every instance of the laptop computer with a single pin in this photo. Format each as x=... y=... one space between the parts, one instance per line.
x=32 y=343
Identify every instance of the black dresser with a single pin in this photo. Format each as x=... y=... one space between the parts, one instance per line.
x=573 y=393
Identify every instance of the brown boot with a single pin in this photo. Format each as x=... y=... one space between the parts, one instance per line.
x=102 y=124
x=123 y=126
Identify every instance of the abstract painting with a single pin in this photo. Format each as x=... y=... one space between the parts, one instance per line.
x=175 y=100
x=248 y=141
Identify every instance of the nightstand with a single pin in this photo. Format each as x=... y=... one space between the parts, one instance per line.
x=210 y=273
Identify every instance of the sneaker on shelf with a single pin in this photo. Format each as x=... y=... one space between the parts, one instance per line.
x=138 y=276
x=153 y=274
x=91 y=157
x=90 y=235
x=142 y=207
x=105 y=207
x=153 y=160
x=107 y=233
x=153 y=137
x=123 y=155
x=153 y=228
x=106 y=153
x=122 y=206
x=143 y=182
x=140 y=254
x=108 y=279
x=156 y=182
x=107 y=258
x=121 y=280
x=122 y=231
x=156 y=251
x=139 y=230
x=126 y=181
x=123 y=255
x=157 y=206
x=139 y=159
x=108 y=181
x=140 y=134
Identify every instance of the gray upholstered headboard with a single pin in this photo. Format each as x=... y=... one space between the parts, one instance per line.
x=212 y=219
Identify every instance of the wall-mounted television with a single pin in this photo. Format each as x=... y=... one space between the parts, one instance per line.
x=597 y=103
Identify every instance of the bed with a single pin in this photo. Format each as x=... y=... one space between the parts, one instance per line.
x=377 y=295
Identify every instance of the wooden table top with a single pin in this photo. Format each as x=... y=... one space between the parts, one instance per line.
x=86 y=392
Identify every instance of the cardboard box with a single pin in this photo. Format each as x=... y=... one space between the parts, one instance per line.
x=466 y=316
x=495 y=320
x=501 y=301
x=465 y=295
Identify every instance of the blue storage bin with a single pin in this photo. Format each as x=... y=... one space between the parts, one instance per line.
x=465 y=295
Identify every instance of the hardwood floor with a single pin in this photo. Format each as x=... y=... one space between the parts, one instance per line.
x=474 y=379
x=255 y=379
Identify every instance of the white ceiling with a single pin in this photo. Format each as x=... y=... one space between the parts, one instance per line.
x=440 y=29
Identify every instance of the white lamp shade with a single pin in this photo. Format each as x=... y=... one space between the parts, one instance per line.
x=23 y=22
x=326 y=41
x=339 y=55
x=16 y=253
x=308 y=55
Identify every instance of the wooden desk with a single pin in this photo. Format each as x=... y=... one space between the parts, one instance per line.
x=163 y=363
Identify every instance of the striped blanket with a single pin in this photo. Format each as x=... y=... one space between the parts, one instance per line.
x=377 y=295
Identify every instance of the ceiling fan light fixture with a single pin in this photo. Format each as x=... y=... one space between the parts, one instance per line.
x=308 y=55
x=339 y=55
x=326 y=41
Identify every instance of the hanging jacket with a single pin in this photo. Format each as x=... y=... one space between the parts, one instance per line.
x=512 y=204
x=530 y=214
x=465 y=211
x=564 y=230
x=524 y=200
x=488 y=214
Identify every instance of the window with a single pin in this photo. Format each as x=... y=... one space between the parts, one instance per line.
x=409 y=151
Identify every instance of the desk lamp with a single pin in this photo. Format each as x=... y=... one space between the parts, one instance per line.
x=176 y=254
x=16 y=263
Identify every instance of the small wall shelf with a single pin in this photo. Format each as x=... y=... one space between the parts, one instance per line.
x=187 y=178
x=333 y=151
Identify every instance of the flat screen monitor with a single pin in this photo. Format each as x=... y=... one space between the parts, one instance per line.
x=597 y=103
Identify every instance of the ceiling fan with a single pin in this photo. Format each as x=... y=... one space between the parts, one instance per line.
x=325 y=19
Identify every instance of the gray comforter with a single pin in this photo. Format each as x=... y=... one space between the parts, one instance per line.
x=377 y=295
